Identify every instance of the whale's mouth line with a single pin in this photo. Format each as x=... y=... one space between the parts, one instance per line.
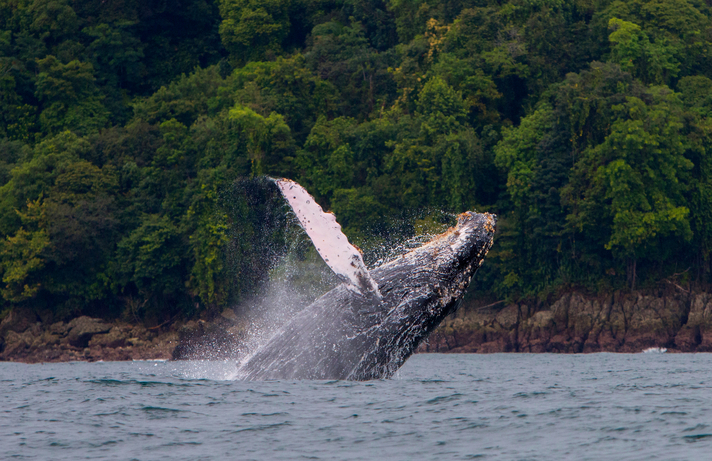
x=465 y=233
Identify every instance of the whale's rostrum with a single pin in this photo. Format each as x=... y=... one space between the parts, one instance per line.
x=352 y=334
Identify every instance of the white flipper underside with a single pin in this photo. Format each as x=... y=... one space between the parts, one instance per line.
x=333 y=246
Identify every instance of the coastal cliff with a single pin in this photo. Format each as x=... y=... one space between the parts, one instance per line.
x=573 y=323
x=621 y=322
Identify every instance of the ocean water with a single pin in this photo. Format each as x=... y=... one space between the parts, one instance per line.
x=502 y=407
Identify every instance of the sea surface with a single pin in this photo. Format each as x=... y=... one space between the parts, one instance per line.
x=652 y=406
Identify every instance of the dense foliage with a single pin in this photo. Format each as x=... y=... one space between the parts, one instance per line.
x=584 y=124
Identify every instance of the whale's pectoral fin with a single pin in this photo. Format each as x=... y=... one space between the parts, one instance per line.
x=330 y=242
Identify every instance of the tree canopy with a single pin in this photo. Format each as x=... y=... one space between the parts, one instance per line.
x=128 y=130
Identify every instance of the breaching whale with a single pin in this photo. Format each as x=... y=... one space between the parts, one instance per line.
x=369 y=325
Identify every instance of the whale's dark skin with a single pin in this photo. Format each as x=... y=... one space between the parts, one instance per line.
x=349 y=335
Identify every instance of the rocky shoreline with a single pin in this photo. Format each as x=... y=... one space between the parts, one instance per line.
x=25 y=339
x=574 y=323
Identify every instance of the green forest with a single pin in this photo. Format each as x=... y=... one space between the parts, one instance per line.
x=126 y=128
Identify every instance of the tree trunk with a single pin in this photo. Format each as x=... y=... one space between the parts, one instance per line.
x=631 y=272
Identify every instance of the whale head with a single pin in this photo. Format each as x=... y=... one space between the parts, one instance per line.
x=421 y=288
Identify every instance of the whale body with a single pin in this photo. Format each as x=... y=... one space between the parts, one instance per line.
x=351 y=335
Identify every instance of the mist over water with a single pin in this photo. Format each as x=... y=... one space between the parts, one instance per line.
x=501 y=407
x=294 y=283
x=274 y=260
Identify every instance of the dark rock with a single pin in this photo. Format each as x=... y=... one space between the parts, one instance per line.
x=83 y=328
x=17 y=320
x=116 y=337
x=59 y=328
x=17 y=344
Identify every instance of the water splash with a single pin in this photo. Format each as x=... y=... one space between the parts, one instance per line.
x=295 y=282
x=214 y=370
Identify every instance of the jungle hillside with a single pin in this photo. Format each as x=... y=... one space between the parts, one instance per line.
x=128 y=129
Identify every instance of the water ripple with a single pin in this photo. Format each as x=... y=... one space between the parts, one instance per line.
x=500 y=407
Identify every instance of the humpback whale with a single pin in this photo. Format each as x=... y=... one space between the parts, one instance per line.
x=369 y=325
